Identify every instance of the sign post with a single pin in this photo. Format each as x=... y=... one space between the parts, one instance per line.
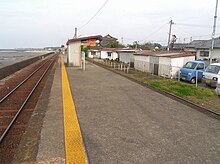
x=84 y=60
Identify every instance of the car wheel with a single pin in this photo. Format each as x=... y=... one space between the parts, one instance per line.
x=193 y=80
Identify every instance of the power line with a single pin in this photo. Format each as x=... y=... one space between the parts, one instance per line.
x=193 y=25
x=153 y=33
x=198 y=36
x=94 y=15
x=183 y=29
x=129 y=39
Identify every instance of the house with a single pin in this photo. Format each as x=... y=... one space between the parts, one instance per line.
x=203 y=49
x=162 y=63
x=179 y=46
x=126 y=55
x=94 y=53
x=109 y=53
x=123 y=54
x=106 y=40
x=74 y=48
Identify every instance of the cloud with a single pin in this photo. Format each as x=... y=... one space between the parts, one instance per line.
x=55 y=20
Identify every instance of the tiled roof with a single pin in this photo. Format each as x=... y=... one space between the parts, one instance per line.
x=180 y=45
x=121 y=49
x=204 y=44
x=108 y=49
x=165 y=54
x=127 y=49
x=98 y=37
x=180 y=55
x=150 y=53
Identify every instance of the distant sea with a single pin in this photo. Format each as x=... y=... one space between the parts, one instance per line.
x=8 y=57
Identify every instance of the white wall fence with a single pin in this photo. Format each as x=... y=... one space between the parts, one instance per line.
x=115 y=65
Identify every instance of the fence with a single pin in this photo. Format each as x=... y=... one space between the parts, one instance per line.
x=114 y=64
x=163 y=70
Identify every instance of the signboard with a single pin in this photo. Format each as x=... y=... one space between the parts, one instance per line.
x=83 y=56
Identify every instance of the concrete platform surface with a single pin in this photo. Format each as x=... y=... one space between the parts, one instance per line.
x=124 y=122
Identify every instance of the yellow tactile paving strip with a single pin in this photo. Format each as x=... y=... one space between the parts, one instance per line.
x=75 y=153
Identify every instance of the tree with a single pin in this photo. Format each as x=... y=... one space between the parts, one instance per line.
x=144 y=46
x=115 y=44
x=85 y=49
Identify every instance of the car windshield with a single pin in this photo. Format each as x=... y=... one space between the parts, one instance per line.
x=213 y=69
x=190 y=65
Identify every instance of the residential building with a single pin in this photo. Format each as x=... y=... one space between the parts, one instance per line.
x=94 y=53
x=106 y=40
x=203 y=49
x=162 y=63
x=126 y=55
x=109 y=53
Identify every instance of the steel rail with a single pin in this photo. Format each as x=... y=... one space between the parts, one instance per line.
x=24 y=103
x=22 y=82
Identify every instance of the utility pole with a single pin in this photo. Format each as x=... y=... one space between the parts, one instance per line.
x=75 y=35
x=213 y=33
x=168 y=44
x=122 y=40
x=136 y=44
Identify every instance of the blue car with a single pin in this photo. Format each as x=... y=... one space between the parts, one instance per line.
x=188 y=72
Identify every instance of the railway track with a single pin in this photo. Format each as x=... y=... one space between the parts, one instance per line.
x=17 y=101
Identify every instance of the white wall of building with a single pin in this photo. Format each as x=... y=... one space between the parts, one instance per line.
x=74 y=54
x=104 y=55
x=142 y=63
x=94 y=54
x=178 y=63
x=164 y=67
x=168 y=67
x=215 y=55
x=90 y=54
x=112 y=56
x=126 y=57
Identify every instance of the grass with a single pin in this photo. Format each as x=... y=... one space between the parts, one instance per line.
x=182 y=89
x=201 y=96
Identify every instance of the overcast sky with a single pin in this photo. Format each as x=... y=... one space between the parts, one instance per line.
x=40 y=23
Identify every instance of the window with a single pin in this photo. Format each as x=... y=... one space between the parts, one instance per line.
x=190 y=65
x=204 y=53
x=109 y=54
x=213 y=69
x=200 y=66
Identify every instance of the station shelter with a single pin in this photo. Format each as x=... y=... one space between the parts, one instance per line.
x=74 y=48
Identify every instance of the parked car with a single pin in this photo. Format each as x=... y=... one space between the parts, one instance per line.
x=188 y=72
x=211 y=75
x=217 y=90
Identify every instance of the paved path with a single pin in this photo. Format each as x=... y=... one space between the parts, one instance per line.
x=123 y=122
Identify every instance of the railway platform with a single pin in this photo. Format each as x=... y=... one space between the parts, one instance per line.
x=96 y=116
